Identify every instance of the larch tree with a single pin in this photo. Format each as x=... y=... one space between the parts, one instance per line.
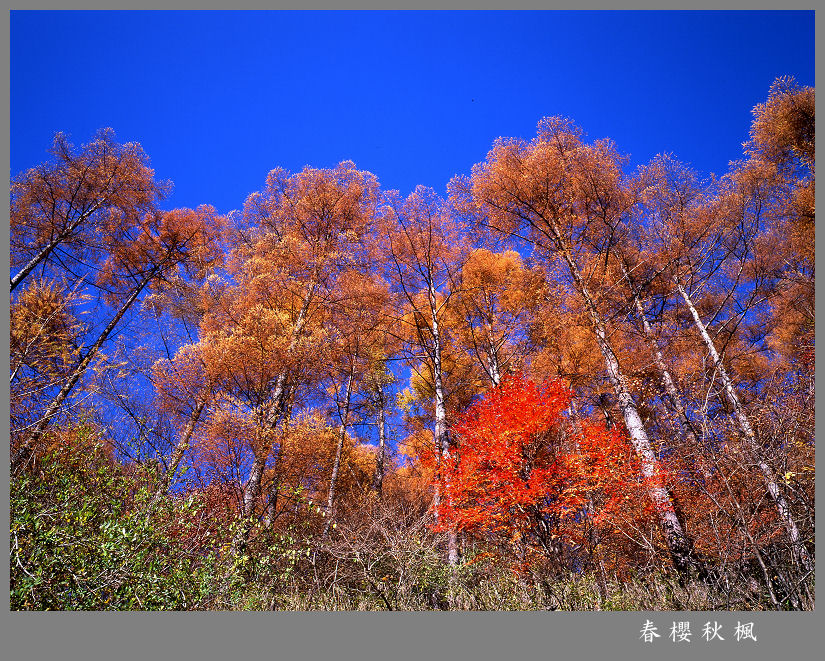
x=159 y=246
x=718 y=255
x=607 y=370
x=79 y=203
x=183 y=389
x=783 y=136
x=292 y=242
x=566 y=197
x=359 y=318
x=424 y=249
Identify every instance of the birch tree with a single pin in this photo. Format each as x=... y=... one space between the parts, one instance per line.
x=424 y=250
x=565 y=197
x=292 y=242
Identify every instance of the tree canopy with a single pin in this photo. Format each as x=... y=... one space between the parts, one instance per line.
x=562 y=371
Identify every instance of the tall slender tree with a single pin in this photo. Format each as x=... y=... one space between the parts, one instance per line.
x=424 y=250
x=568 y=198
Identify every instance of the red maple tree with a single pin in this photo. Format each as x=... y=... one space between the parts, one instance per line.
x=524 y=471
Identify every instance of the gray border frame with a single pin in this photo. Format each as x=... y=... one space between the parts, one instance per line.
x=505 y=636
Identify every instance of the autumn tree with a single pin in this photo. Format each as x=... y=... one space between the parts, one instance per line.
x=496 y=302
x=424 y=250
x=783 y=136
x=292 y=242
x=161 y=245
x=568 y=197
x=64 y=214
x=600 y=369
x=184 y=388
x=523 y=473
x=79 y=203
x=45 y=333
x=359 y=317
x=717 y=254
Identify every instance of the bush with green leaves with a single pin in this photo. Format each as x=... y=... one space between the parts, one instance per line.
x=86 y=536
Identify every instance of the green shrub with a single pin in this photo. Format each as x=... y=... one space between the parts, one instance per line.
x=81 y=539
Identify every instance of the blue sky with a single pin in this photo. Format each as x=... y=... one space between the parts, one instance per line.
x=219 y=99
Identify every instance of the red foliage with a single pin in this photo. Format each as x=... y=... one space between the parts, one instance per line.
x=519 y=459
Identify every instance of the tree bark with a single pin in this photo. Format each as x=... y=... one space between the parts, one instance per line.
x=674 y=398
x=799 y=550
x=272 y=416
x=256 y=472
x=336 y=464
x=441 y=433
x=182 y=447
x=271 y=510
x=48 y=248
x=492 y=358
x=677 y=541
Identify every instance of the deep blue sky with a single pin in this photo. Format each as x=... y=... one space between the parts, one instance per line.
x=219 y=99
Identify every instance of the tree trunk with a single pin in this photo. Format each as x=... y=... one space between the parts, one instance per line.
x=46 y=250
x=24 y=451
x=678 y=544
x=272 y=503
x=441 y=433
x=256 y=473
x=673 y=398
x=271 y=510
x=339 y=448
x=492 y=358
x=180 y=450
x=799 y=550
x=177 y=456
x=274 y=414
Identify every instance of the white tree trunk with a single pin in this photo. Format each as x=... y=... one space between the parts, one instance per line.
x=747 y=431
x=441 y=433
x=256 y=472
x=46 y=250
x=492 y=359
x=336 y=464
x=677 y=541
x=673 y=396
